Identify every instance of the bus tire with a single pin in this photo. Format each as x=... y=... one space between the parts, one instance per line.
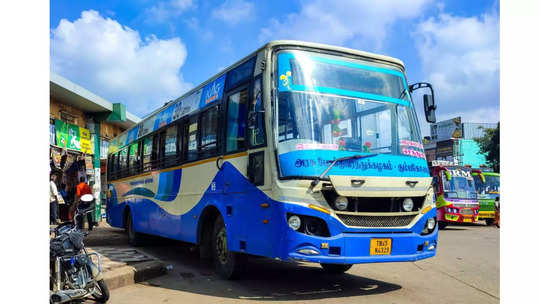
x=227 y=264
x=336 y=268
x=490 y=221
x=134 y=238
x=442 y=225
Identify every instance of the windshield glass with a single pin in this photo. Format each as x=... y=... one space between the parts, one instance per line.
x=333 y=107
x=459 y=187
x=489 y=189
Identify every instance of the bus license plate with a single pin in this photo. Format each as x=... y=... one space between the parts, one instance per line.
x=467 y=220
x=380 y=246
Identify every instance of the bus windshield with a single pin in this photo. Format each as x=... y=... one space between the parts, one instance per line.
x=489 y=189
x=459 y=187
x=341 y=106
x=341 y=123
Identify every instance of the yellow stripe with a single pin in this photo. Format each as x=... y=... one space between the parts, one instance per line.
x=204 y=161
x=321 y=209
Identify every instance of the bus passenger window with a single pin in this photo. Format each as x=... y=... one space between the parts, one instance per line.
x=192 y=139
x=170 y=145
x=257 y=135
x=209 y=124
x=133 y=158
x=155 y=152
x=236 y=121
x=147 y=153
x=123 y=162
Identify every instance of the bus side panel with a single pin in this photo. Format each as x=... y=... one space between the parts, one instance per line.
x=114 y=210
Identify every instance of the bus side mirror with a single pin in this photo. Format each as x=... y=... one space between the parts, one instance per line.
x=429 y=100
x=429 y=108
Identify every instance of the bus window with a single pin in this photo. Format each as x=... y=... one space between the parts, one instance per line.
x=110 y=167
x=170 y=145
x=147 y=153
x=134 y=158
x=240 y=74
x=236 y=121
x=257 y=135
x=123 y=162
x=192 y=139
x=180 y=143
x=209 y=124
x=155 y=149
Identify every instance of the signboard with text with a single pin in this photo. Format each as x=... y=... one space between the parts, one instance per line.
x=72 y=137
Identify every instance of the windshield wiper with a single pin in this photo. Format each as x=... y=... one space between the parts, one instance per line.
x=316 y=181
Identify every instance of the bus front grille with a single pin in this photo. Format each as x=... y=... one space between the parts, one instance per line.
x=376 y=221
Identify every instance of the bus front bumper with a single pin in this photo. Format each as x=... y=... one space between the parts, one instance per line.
x=354 y=248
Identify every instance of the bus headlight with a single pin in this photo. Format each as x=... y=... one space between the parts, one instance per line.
x=294 y=222
x=408 y=204
x=341 y=203
x=431 y=223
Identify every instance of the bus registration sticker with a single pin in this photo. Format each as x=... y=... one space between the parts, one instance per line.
x=380 y=247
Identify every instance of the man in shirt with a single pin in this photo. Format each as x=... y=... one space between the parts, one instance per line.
x=82 y=189
x=53 y=201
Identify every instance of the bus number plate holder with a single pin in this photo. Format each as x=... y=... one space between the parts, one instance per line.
x=380 y=247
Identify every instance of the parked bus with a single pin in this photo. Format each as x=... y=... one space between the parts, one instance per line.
x=487 y=188
x=298 y=152
x=455 y=192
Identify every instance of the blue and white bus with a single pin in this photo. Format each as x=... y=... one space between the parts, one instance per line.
x=298 y=152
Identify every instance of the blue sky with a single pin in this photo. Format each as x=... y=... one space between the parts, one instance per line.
x=144 y=53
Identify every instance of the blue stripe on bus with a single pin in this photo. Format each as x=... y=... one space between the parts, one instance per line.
x=169 y=185
x=140 y=191
x=314 y=162
x=336 y=91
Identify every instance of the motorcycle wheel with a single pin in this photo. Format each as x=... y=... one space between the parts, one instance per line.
x=101 y=293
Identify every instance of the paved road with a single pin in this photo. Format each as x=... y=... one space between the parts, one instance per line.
x=465 y=270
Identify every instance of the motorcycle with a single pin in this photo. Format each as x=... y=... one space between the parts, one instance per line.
x=73 y=274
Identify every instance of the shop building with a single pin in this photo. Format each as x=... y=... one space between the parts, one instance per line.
x=81 y=127
x=453 y=140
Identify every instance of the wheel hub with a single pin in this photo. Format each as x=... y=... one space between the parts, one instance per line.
x=221 y=246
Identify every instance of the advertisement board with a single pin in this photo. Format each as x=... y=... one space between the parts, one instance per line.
x=72 y=137
x=446 y=129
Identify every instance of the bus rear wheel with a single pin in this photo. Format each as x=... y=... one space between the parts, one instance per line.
x=228 y=264
x=336 y=268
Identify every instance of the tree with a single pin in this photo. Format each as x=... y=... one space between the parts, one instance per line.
x=490 y=147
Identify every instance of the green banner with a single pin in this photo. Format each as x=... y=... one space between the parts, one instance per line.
x=69 y=136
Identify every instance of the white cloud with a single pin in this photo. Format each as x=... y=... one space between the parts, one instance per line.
x=234 y=11
x=460 y=57
x=164 y=10
x=338 y=22
x=113 y=61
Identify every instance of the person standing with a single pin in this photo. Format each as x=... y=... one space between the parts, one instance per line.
x=82 y=189
x=53 y=200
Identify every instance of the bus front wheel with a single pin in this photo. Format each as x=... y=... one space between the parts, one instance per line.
x=490 y=221
x=228 y=264
x=336 y=268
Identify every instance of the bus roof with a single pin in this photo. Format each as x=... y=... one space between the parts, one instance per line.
x=268 y=45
